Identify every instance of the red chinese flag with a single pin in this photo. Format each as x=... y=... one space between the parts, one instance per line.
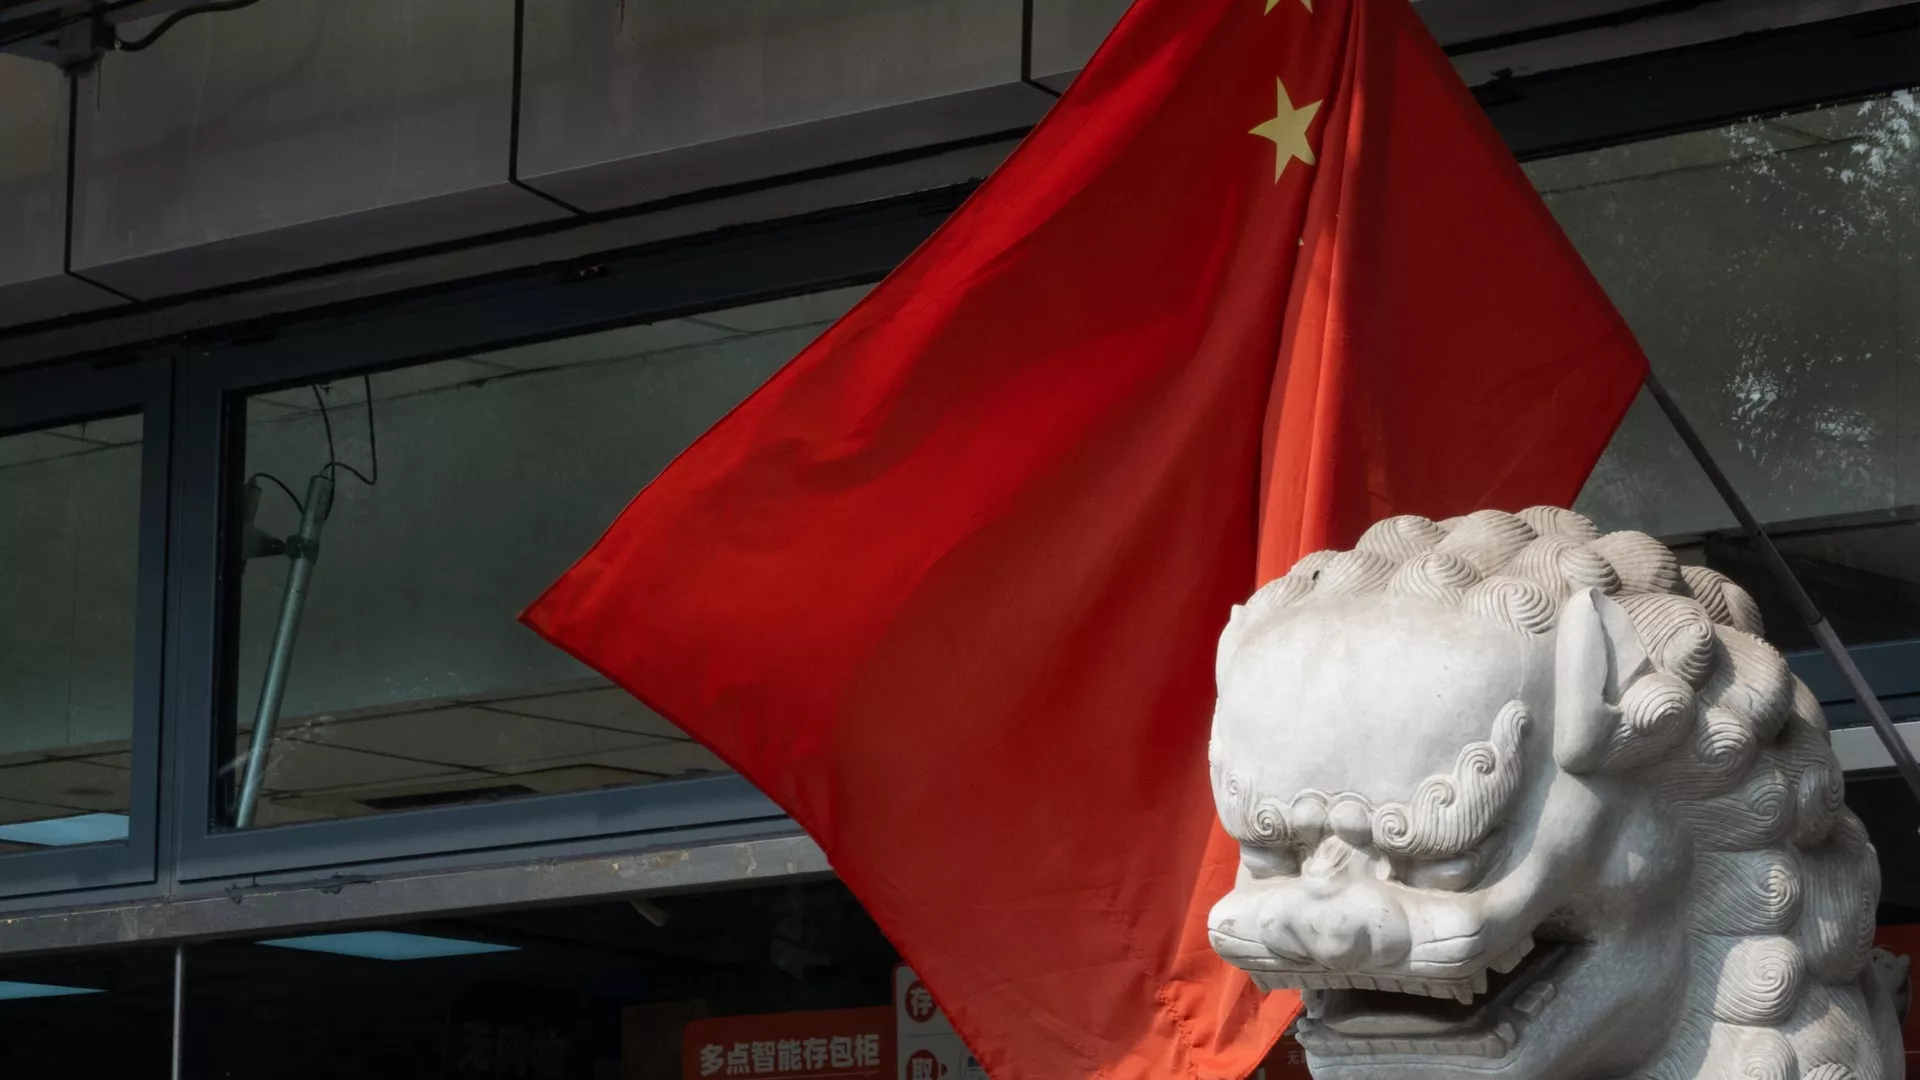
x=948 y=587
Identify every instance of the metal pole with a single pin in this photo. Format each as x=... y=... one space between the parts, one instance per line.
x=1796 y=593
x=304 y=549
x=179 y=1006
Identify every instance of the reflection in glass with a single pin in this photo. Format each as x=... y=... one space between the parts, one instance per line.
x=69 y=547
x=104 y=1015
x=1769 y=267
x=459 y=490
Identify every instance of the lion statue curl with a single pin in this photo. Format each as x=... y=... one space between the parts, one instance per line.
x=1518 y=799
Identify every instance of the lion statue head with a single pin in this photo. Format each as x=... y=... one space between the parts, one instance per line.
x=1517 y=798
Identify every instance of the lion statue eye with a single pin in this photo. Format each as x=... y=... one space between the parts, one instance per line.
x=1269 y=862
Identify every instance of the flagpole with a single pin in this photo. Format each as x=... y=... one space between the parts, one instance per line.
x=1796 y=593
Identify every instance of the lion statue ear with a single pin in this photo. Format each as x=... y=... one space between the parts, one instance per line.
x=1229 y=642
x=1597 y=653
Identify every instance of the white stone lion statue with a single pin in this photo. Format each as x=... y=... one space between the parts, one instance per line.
x=1519 y=800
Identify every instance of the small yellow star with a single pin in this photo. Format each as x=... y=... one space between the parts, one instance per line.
x=1288 y=130
x=1271 y=4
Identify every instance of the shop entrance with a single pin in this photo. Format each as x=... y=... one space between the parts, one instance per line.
x=601 y=991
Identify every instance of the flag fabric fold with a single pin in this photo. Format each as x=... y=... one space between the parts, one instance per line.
x=947 y=588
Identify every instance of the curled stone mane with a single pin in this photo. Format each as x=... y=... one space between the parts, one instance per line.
x=1717 y=730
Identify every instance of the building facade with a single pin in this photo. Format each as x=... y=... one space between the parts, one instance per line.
x=332 y=330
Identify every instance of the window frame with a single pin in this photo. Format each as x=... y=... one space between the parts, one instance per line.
x=677 y=279
x=1695 y=87
x=50 y=397
x=1698 y=87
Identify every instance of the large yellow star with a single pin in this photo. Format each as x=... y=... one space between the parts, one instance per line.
x=1288 y=130
x=1271 y=4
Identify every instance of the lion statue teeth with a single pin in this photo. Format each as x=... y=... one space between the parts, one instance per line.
x=1515 y=797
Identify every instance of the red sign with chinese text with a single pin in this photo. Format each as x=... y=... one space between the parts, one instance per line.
x=1287 y=1062
x=845 y=1043
x=1904 y=940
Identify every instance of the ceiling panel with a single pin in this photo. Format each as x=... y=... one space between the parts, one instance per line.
x=83 y=785
x=665 y=758
x=474 y=737
x=610 y=707
x=303 y=765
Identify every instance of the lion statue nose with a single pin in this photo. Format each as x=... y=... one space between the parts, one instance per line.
x=1354 y=929
x=1338 y=939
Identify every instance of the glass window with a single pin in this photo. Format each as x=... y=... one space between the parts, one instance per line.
x=379 y=637
x=102 y=1016
x=69 y=546
x=1769 y=267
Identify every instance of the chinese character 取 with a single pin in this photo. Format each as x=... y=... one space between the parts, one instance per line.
x=922 y=1068
x=510 y=1052
x=549 y=1058
x=476 y=1048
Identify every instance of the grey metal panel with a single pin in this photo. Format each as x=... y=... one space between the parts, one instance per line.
x=586 y=237
x=46 y=297
x=294 y=134
x=1662 y=30
x=359 y=898
x=1859 y=749
x=623 y=103
x=1065 y=34
x=1471 y=20
x=33 y=198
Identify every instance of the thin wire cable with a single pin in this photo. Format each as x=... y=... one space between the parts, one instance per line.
x=334 y=464
x=341 y=466
x=373 y=440
x=281 y=484
x=325 y=421
x=168 y=23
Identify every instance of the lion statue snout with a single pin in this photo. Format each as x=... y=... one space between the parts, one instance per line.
x=1337 y=915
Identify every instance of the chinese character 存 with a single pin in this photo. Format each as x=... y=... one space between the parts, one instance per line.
x=763 y=1057
x=739 y=1059
x=510 y=1052
x=841 y=1049
x=713 y=1058
x=816 y=1050
x=866 y=1050
x=476 y=1049
x=919 y=1003
x=789 y=1057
